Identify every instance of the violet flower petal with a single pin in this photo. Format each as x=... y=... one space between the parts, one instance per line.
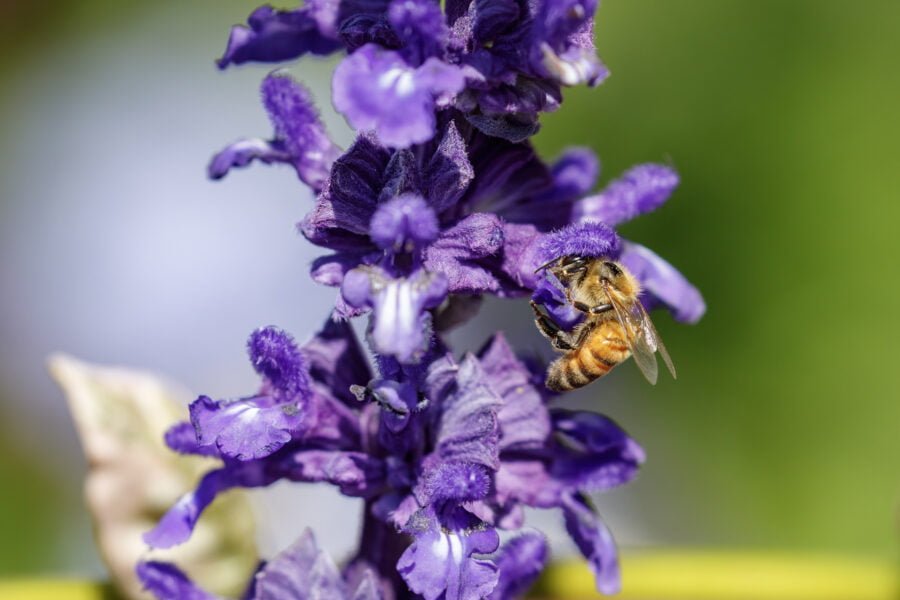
x=300 y=138
x=590 y=238
x=401 y=323
x=563 y=42
x=527 y=480
x=300 y=572
x=453 y=480
x=467 y=429
x=330 y=269
x=523 y=419
x=245 y=429
x=595 y=541
x=574 y=174
x=375 y=89
x=519 y=563
x=278 y=35
x=178 y=523
x=274 y=355
x=576 y=65
x=168 y=582
x=492 y=17
x=663 y=284
x=439 y=564
x=596 y=454
x=457 y=251
x=640 y=190
x=337 y=361
x=403 y=224
x=243 y=152
x=549 y=294
x=519 y=259
x=182 y=438
x=356 y=474
x=340 y=219
x=448 y=172
x=556 y=20
x=298 y=125
x=420 y=24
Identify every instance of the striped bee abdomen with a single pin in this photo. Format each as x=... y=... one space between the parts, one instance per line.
x=603 y=349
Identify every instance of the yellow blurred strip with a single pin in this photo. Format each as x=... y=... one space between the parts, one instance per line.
x=54 y=590
x=732 y=576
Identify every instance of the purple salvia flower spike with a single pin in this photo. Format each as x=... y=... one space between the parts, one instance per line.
x=440 y=200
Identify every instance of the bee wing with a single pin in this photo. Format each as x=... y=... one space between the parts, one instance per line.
x=636 y=338
x=653 y=338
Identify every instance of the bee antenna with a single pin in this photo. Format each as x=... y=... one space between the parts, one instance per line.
x=545 y=265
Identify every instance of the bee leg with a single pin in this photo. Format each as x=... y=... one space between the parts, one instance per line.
x=594 y=310
x=573 y=265
x=559 y=338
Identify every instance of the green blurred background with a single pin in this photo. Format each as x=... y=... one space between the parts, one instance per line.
x=783 y=429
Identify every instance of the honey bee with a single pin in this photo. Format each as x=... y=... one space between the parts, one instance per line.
x=616 y=325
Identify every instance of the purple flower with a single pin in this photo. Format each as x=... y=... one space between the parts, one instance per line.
x=440 y=562
x=563 y=42
x=167 y=582
x=595 y=542
x=257 y=426
x=640 y=190
x=300 y=139
x=403 y=224
x=401 y=325
x=663 y=284
x=376 y=89
x=278 y=35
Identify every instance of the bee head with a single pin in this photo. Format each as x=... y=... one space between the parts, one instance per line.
x=618 y=277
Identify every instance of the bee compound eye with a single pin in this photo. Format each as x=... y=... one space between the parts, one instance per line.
x=613 y=268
